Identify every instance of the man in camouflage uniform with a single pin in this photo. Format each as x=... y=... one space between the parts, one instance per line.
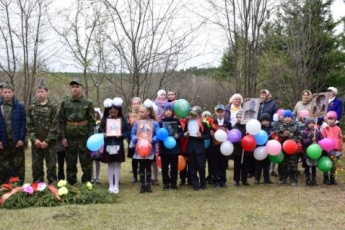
x=12 y=136
x=43 y=125
x=77 y=122
x=288 y=130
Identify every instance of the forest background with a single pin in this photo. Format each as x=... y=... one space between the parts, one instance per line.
x=134 y=48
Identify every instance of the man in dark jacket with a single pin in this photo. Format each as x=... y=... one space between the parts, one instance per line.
x=12 y=136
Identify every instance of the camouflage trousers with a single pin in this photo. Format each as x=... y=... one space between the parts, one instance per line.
x=38 y=157
x=75 y=150
x=12 y=163
x=288 y=167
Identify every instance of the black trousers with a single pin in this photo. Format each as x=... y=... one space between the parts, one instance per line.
x=220 y=163
x=61 y=164
x=210 y=163
x=145 y=170
x=197 y=164
x=262 y=166
x=172 y=161
x=240 y=167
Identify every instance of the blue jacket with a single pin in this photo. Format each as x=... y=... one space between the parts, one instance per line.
x=337 y=106
x=176 y=150
x=18 y=123
x=269 y=107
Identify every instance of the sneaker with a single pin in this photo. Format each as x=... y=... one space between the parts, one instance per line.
x=273 y=173
x=116 y=190
x=166 y=187
x=282 y=182
x=97 y=181
x=308 y=182
x=142 y=188
x=92 y=181
x=148 y=188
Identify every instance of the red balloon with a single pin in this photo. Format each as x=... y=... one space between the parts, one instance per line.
x=290 y=147
x=181 y=163
x=143 y=147
x=159 y=162
x=248 y=143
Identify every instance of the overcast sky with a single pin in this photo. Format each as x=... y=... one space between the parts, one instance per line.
x=212 y=43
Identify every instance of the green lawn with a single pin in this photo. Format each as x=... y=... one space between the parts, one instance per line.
x=253 y=207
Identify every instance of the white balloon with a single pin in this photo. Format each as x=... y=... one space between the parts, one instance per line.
x=226 y=148
x=253 y=126
x=220 y=135
x=260 y=153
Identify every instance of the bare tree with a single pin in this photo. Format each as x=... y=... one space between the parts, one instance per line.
x=23 y=28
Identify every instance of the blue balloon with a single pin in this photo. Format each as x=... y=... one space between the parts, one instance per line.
x=261 y=137
x=170 y=142
x=207 y=143
x=95 y=142
x=162 y=134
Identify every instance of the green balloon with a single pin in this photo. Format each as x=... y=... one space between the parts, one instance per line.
x=181 y=108
x=314 y=151
x=325 y=164
x=277 y=159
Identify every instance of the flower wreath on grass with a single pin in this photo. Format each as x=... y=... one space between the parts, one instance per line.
x=13 y=196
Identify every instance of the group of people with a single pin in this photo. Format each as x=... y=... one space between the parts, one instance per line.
x=59 y=135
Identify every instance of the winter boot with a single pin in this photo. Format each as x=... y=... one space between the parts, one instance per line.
x=326 y=179
x=148 y=187
x=142 y=188
x=332 y=180
x=308 y=182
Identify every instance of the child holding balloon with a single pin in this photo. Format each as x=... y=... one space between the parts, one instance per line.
x=143 y=134
x=169 y=148
x=310 y=135
x=114 y=153
x=334 y=133
x=95 y=155
x=220 y=161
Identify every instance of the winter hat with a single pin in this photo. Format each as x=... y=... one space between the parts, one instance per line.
x=239 y=113
x=280 y=112
x=196 y=110
x=333 y=89
x=288 y=113
x=308 y=121
x=160 y=92
x=206 y=113
x=332 y=114
x=265 y=116
x=168 y=106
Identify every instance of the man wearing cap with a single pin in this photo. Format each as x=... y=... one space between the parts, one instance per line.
x=77 y=122
x=334 y=103
x=43 y=127
x=12 y=136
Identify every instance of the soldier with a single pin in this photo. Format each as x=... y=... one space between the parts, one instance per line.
x=12 y=136
x=42 y=123
x=77 y=122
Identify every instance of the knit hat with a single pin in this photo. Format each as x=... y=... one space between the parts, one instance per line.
x=333 y=89
x=308 y=121
x=280 y=112
x=196 y=110
x=168 y=106
x=42 y=85
x=288 y=113
x=206 y=113
x=160 y=92
x=332 y=114
x=265 y=116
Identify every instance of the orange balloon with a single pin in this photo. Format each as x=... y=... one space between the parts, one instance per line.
x=143 y=147
x=181 y=163
x=159 y=162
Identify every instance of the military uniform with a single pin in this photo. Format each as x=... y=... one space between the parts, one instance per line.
x=42 y=123
x=77 y=122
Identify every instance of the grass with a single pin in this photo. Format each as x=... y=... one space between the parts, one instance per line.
x=253 y=207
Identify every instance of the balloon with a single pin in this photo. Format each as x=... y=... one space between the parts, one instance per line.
x=162 y=134
x=273 y=147
x=226 y=148
x=159 y=162
x=277 y=159
x=181 y=163
x=304 y=113
x=220 y=135
x=253 y=126
x=324 y=164
x=95 y=142
x=261 y=137
x=169 y=142
x=260 y=153
x=207 y=143
x=327 y=144
x=234 y=135
x=314 y=151
x=290 y=146
x=143 y=147
x=248 y=143
x=181 y=108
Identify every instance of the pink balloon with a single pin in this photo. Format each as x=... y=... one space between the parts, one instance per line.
x=304 y=113
x=327 y=144
x=273 y=147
